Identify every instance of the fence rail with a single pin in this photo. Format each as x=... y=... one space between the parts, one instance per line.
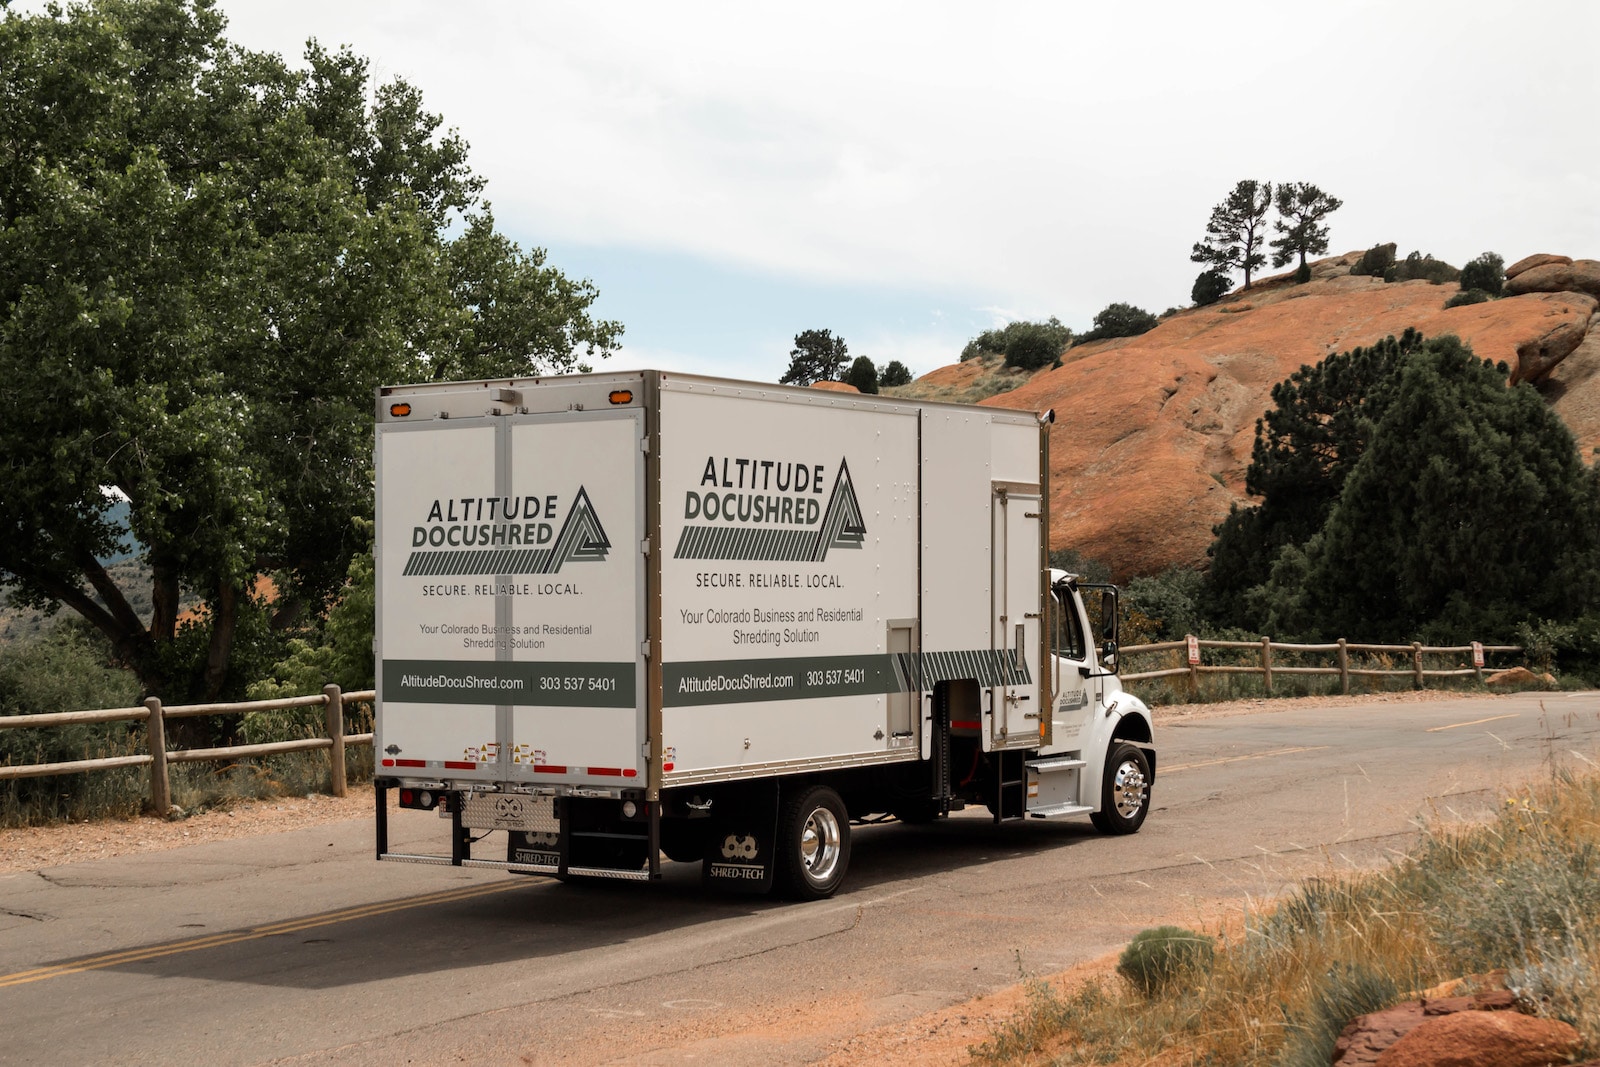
x=1340 y=668
x=154 y=715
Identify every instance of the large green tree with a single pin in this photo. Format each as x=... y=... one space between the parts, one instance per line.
x=1236 y=233
x=1319 y=425
x=208 y=260
x=1469 y=512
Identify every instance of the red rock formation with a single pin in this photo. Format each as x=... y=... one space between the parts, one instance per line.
x=1153 y=433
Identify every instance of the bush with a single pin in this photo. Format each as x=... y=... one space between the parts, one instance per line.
x=1027 y=345
x=894 y=373
x=1486 y=274
x=67 y=670
x=863 y=375
x=1376 y=262
x=1209 y=287
x=1170 y=600
x=1120 y=320
x=1419 y=267
x=1469 y=296
x=1159 y=959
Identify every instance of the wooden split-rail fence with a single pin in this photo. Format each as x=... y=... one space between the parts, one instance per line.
x=155 y=715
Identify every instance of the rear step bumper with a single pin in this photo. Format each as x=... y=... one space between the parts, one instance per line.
x=519 y=868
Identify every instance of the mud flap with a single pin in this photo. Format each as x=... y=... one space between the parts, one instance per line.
x=536 y=849
x=742 y=851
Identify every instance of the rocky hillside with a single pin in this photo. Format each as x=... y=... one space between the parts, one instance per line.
x=1153 y=433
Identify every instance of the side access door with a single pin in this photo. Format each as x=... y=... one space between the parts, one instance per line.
x=1017 y=598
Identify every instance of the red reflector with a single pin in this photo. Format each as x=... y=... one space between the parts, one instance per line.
x=966 y=725
x=629 y=772
x=609 y=772
x=666 y=766
x=550 y=769
x=388 y=763
x=459 y=765
x=410 y=763
x=405 y=796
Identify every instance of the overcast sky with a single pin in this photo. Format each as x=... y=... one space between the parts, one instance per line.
x=910 y=174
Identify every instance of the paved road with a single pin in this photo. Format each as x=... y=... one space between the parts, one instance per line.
x=297 y=947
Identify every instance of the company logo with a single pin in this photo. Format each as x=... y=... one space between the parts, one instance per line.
x=505 y=535
x=764 y=510
x=739 y=847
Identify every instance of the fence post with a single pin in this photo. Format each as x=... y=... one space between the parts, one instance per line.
x=1416 y=664
x=156 y=733
x=335 y=719
x=1344 y=667
x=1266 y=663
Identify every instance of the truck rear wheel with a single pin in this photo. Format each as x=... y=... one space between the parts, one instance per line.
x=813 y=844
x=1125 y=791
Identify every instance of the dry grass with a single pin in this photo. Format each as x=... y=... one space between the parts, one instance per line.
x=1520 y=893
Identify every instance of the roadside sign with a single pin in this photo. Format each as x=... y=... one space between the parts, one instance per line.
x=1194 y=651
x=1477 y=653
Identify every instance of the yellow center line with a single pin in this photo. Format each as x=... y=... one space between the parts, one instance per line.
x=1474 y=722
x=1236 y=759
x=138 y=955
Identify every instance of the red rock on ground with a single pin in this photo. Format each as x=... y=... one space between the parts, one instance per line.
x=1368 y=1036
x=1484 y=1039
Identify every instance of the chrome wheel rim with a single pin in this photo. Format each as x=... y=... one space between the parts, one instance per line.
x=1128 y=789
x=819 y=845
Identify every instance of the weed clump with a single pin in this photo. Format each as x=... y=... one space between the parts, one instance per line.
x=1161 y=959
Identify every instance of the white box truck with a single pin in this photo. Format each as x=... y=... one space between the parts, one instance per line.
x=633 y=614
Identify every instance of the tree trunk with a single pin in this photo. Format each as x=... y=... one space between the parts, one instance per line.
x=224 y=624
x=164 y=595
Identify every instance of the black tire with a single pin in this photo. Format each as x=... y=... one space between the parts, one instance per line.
x=813 y=844
x=1124 y=790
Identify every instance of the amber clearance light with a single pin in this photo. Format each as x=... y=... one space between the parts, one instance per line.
x=622 y=396
x=399 y=411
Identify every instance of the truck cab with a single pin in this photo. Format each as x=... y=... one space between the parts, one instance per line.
x=1094 y=721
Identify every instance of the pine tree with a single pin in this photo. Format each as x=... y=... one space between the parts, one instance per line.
x=1302 y=207
x=1236 y=233
x=1469 y=512
x=817 y=356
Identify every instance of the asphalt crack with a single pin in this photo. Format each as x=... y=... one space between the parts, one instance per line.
x=38 y=917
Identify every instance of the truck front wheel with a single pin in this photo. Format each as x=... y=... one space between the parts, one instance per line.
x=1125 y=792
x=813 y=844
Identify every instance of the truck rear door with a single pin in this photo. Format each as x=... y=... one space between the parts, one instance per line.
x=510 y=598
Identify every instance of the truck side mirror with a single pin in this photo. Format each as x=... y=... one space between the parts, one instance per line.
x=1108 y=629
